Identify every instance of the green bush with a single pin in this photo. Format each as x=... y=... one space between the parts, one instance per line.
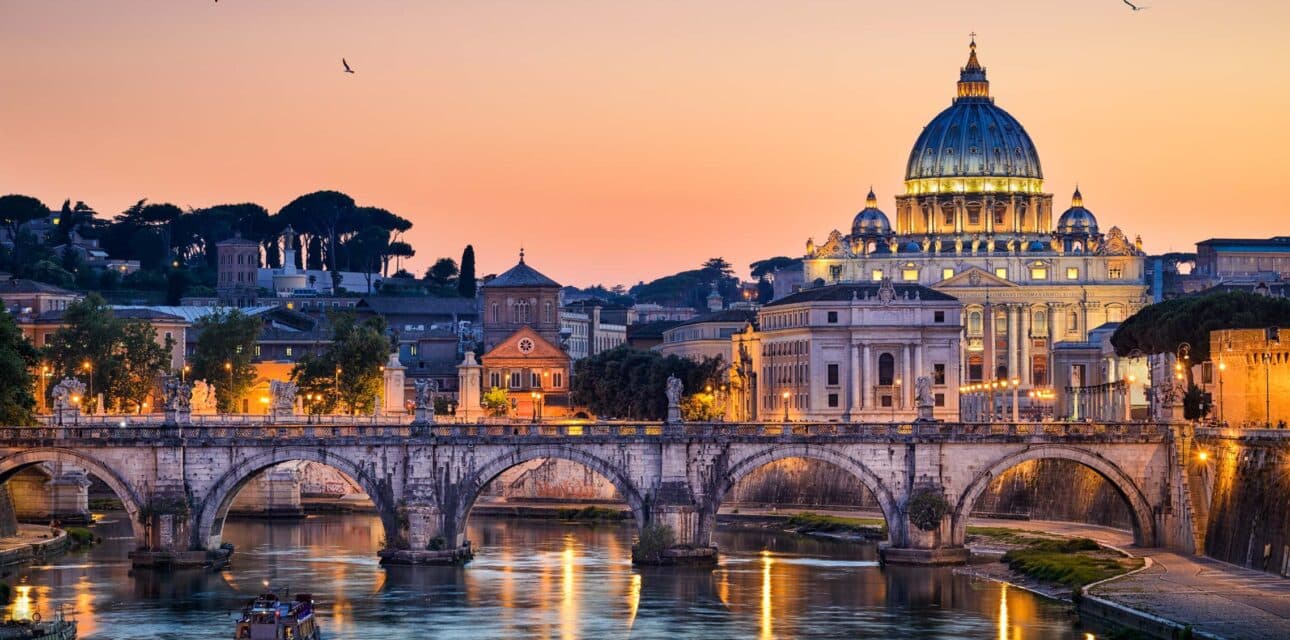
x=437 y=543
x=927 y=508
x=653 y=541
x=80 y=535
x=1071 y=569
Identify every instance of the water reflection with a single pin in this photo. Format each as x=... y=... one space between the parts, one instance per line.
x=536 y=579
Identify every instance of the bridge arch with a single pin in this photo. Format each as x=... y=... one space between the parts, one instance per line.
x=215 y=506
x=131 y=501
x=1144 y=534
x=469 y=488
x=739 y=468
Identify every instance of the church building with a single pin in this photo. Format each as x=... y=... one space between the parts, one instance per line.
x=522 y=351
x=975 y=223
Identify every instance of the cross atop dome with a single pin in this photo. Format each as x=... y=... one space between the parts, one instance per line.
x=972 y=82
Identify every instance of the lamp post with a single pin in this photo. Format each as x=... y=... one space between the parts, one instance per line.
x=1016 y=386
x=228 y=366
x=896 y=397
x=1222 y=366
x=183 y=373
x=89 y=376
x=44 y=373
x=785 y=396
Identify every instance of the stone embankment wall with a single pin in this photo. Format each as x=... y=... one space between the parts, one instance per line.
x=1247 y=486
x=551 y=479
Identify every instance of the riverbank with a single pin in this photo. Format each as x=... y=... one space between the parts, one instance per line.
x=32 y=542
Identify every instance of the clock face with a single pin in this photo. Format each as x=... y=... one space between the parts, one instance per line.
x=525 y=345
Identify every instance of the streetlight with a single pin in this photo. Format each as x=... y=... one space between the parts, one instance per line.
x=228 y=366
x=89 y=375
x=785 y=396
x=1016 y=385
x=183 y=373
x=1222 y=366
x=896 y=398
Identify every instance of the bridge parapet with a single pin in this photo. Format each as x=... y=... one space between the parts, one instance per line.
x=383 y=433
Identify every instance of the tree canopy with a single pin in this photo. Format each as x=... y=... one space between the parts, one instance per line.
x=17 y=360
x=1161 y=327
x=631 y=383
x=347 y=376
x=222 y=354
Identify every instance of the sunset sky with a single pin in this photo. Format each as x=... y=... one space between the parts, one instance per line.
x=621 y=141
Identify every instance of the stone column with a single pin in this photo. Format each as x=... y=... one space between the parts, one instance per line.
x=907 y=383
x=854 y=382
x=1026 y=341
x=469 y=375
x=1013 y=346
x=866 y=384
x=393 y=387
x=987 y=339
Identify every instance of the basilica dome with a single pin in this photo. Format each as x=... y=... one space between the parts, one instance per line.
x=1077 y=219
x=870 y=221
x=974 y=138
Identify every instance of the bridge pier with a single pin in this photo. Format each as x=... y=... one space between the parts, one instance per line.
x=910 y=544
x=692 y=541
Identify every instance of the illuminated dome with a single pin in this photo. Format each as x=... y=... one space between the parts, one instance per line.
x=1077 y=219
x=974 y=139
x=870 y=221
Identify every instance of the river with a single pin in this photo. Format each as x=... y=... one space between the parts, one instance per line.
x=533 y=579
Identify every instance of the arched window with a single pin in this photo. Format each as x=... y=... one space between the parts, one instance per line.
x=886 y=370
x=546 y=312
x=1041 y=323
x=974 y=323
x=496 y=316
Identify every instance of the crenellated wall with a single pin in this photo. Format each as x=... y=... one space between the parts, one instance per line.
x=1245 y=480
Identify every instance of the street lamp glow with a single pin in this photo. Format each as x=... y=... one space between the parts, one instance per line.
x=1203 y=456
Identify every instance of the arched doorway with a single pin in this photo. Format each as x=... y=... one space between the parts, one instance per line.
x=215 y=507
x=477 y=483
x=131 y=502
x=1143 y=522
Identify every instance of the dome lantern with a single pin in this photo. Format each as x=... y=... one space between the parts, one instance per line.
x=972 y=81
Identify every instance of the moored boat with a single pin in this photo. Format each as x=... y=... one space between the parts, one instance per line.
x=37 y=629
x=268 y=618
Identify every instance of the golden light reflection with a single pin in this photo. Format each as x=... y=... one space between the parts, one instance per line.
x=568 y=595
x=21 y=609
x=767 y=623
x=723 y=589
x=86 y=624
x=633 y=599
x=1003 y=613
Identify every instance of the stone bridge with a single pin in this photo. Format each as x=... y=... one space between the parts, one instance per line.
x=177 y=483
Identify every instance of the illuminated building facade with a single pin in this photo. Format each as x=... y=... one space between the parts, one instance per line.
x=975 y=223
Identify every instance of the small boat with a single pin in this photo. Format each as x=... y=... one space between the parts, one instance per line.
x=268 y=618
x=37 y=629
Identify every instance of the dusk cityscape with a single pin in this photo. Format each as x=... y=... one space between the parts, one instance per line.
x=660 y=320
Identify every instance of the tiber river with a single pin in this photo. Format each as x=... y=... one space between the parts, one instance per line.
x=533 y=579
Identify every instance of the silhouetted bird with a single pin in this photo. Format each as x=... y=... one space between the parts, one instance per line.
x=1134 y=6
x=347 y=69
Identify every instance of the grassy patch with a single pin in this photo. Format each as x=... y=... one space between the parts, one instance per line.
x=80 y=535
x=593 y=513
x=1073 y=562
x=105 y=504
x=807 y=522
x=1006 y=535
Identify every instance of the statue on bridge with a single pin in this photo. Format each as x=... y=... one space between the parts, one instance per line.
x=923 y=398
x=282 y=398
x=69 y=397
x=673 y=390
x=177 y=399
x=423 y=412
x=203 y=401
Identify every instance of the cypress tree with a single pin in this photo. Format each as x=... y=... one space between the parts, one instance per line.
x=466 y=276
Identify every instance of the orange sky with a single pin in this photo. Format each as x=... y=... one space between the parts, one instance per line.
x=622 y=141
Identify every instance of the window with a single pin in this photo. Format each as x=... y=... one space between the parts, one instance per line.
x=494 y=379
x=289 y=351
x=169 y=336
x=886 y=401
x=939 y=316
x=496 y=317
x=1072 y=273
x=1114 y=313
x=835 y=272
x=1000 y=324
x=947 y=273
x=535 y=380
x=1039 y=273
x=515 y=379
x=1115 y=272
x=974 y=216
x=876 y=275
x=886 y=370
x=557 y=379
x=833 y=317
x=998 y=217
x=546 y=312
x=938 y=373
x=940 y=399
x=833 y=400
x=257 y=350
x=412 y=349
x=909 y=275
x=833 y=375
x=1001 y=272
x=1072 y=321
x=974 y=323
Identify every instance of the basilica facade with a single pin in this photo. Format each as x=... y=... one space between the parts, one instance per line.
x=975 y=223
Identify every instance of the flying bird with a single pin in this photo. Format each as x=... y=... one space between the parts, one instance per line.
x=1134 y=6
x=347 y=69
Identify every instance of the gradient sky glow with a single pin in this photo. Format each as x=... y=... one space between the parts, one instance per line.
x=621 y=141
